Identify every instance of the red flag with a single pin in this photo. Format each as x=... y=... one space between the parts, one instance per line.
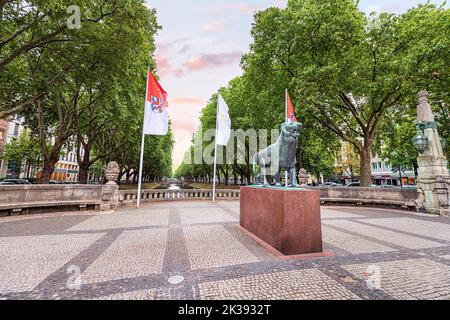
x=156 y=117
x=290 y=112
x=154 y=89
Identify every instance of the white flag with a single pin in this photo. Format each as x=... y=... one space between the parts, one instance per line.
x=155 y=123
x=156 y=116
x=223 y=123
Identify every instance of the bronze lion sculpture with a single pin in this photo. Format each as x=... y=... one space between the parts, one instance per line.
x=279 y=156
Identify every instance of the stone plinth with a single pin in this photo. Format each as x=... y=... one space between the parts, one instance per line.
x=286 y=219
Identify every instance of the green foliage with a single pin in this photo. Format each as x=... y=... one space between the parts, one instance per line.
x=23 y=149
x=345 y=70
x=82 y=87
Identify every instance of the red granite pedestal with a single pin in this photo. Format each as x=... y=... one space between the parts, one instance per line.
x=286 y=219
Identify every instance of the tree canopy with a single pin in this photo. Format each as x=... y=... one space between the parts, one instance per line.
x=345 y=70
x=83 y=87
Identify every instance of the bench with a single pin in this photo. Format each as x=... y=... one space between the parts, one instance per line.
x=368 y=202
x=17 y=208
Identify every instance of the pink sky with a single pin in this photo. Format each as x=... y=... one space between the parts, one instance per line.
x=199 y=50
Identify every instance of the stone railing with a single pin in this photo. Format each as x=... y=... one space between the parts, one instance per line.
x=130 y=196
x=19 y=199
x=400 y=198
x=395 y=198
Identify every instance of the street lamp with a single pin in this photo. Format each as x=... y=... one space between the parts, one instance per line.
x=420 y=141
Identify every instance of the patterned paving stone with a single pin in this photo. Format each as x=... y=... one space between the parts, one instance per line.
x=409 y=279
x=384 y=235
x=40 y=225
x=423 y=228
x=122 y=221
x=291 y=285
x=133 y=295
x=350 y=243
x=334 y=214
x=132 y=254
x=213 y=246
x=203 y=215
x=26 y=261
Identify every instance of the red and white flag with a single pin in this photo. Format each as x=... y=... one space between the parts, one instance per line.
x=290 y=110
x=156 y=117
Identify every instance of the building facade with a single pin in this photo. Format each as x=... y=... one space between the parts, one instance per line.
x=66 y=170
x=8 y=131
x=3 y=134
x=384 y=175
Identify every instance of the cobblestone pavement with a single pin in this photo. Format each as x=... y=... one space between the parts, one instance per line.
x=138 y=254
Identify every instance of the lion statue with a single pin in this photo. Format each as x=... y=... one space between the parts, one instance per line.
x=279 y=156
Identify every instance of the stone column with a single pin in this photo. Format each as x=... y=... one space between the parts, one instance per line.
x=434 y=179
x=110 y=191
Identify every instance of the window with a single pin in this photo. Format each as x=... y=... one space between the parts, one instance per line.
x=16 y=130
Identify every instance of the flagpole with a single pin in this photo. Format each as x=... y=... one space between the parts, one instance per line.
x=287 y=119
x=141 y=159
x=215 y=153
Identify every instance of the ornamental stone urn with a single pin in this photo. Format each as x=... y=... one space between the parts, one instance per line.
x=112 y=173
x=303 y=176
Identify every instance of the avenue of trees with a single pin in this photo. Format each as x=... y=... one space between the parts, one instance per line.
x=80 y=87
x=352 y=77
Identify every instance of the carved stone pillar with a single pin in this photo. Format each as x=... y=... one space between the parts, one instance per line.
x=434 y=179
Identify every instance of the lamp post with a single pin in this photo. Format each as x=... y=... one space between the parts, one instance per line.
x=420 y=141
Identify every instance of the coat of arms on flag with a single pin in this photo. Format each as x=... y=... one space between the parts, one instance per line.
x=158 y=105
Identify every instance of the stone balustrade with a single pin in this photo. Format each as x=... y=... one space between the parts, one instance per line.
x=378 y=197
x=19 y=199
x=130 y=196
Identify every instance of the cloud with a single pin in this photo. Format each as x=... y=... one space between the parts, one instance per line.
x=165 y=67
x=185 y=48
x=206 y=61
x=186 y=101
x=214 y=26
x=242 y=7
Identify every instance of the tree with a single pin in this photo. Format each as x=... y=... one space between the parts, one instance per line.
x=25 y=150
x=350 y=70
x=347 y=161
x=27 y=26
x=397 y=147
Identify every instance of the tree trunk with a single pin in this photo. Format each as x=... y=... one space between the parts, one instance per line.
x=366 y=170
x=83 y=175
x=119 y=178
x=128 y=176
x=227 y=176
x=400 y=175
x=47 y=170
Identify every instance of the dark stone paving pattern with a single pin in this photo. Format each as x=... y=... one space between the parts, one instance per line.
x=176 y=260
x=42 y=226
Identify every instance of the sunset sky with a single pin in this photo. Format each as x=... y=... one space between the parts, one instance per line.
x=200 y=46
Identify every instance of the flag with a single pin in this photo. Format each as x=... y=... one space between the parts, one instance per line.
x=290 y=112
x=156 y=117
x=223 y=123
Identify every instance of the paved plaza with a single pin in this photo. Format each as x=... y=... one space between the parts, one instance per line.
x=132 y=254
